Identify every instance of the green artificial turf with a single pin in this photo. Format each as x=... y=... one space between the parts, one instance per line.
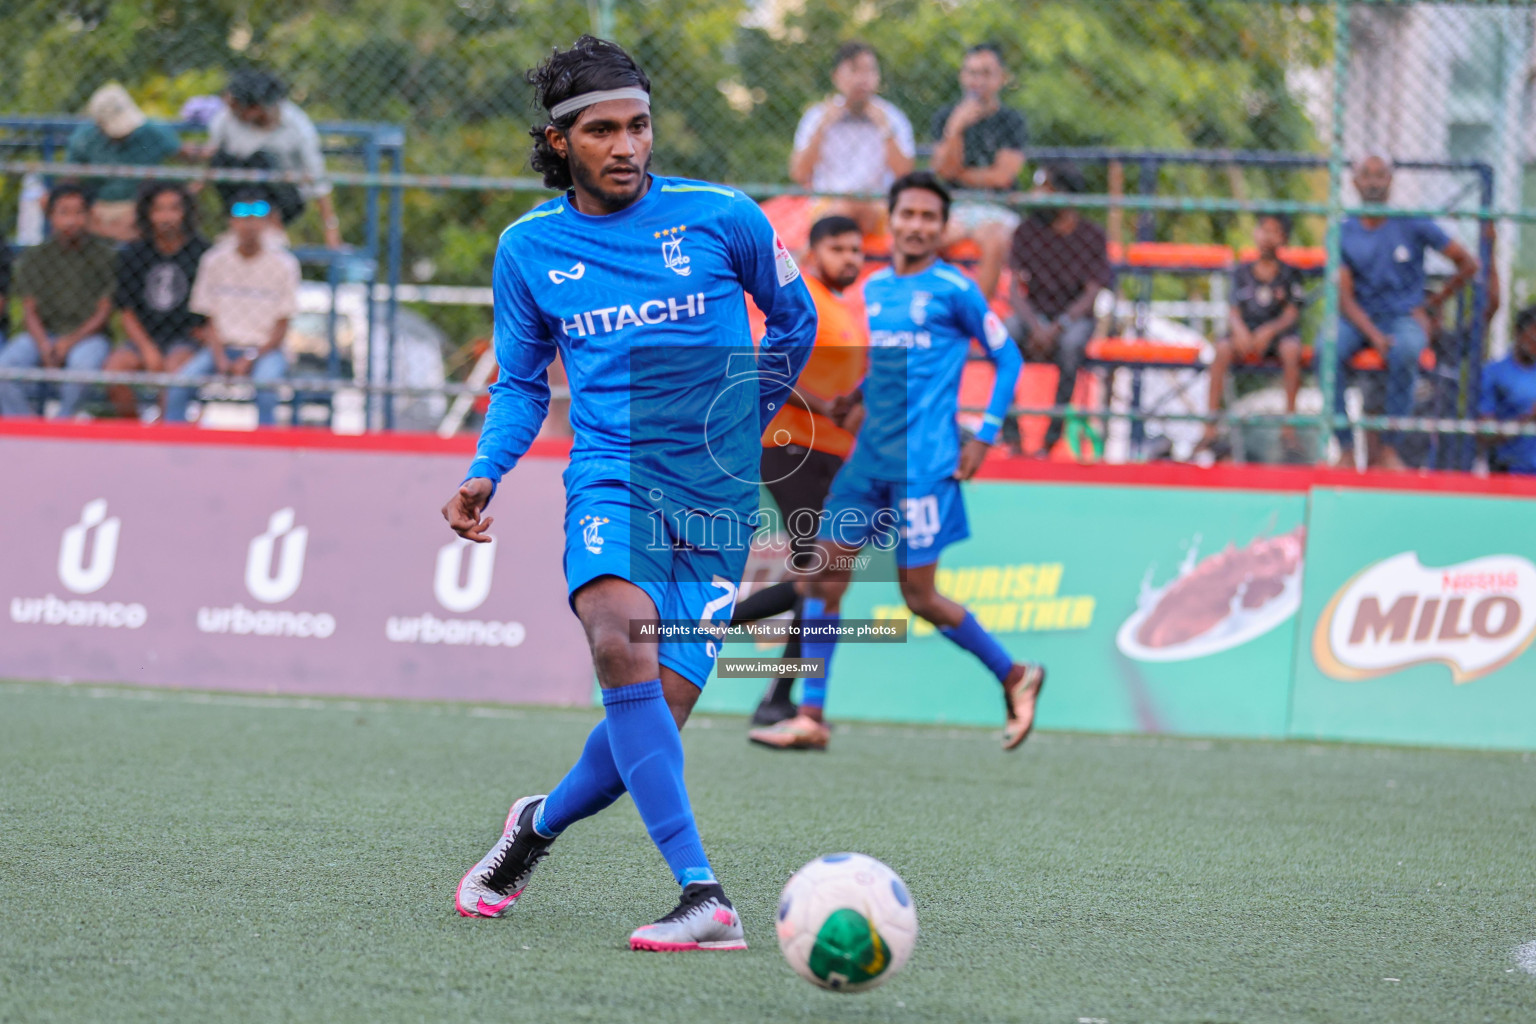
x=170 y=856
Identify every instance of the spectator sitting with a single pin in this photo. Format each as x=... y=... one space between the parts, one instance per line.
x=981 y=146
x=854 y=141
x=1267 y=296
x=1381 y=295
x=261 y=129
x=5 y=291
x=1060 y=262
x=118 y=134
x=65 y=284
x=154 y=287
x=248 y=291
x=1508 y=392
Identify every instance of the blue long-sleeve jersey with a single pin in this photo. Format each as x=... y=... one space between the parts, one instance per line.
x=920 y=331
x=645 y=308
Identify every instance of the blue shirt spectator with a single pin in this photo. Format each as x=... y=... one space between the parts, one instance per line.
x=1388 y=262
x=1382 y=300
x=1508 y=392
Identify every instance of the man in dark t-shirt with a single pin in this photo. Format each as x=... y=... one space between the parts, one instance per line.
x=154 y=283
x=979 y=144
x=1060 y=263
x=1267 y=296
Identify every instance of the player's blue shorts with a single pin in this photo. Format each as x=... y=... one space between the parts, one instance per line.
x=918 y=519
x=609 y=532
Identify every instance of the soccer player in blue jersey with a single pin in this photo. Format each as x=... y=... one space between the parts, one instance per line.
x=901 y=486
x=637 y=281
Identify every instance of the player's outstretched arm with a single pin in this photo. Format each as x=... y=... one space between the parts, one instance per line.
x=770 y=275
x=520 y=396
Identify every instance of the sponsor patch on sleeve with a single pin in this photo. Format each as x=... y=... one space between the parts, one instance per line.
x=996 y=333
x=784 y=263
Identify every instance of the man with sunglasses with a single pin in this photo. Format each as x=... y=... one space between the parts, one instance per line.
x=248 y=291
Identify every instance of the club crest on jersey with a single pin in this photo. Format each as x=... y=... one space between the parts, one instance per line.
x=672 y=250
x=590 y=538
x=918 y=311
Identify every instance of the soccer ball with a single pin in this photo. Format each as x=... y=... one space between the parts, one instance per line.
x=846 y=922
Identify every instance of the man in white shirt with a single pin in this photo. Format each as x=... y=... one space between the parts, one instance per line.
x=854 y=141
x=248 y=291
x=260 y=128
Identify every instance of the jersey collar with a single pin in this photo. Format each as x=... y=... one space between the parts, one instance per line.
x=631 y=210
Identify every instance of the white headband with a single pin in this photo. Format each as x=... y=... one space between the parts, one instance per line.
x=586 y=99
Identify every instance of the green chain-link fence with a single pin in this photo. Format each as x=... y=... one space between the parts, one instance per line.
x=1186 y=117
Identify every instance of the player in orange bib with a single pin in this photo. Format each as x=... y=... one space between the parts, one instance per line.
x=805 y=445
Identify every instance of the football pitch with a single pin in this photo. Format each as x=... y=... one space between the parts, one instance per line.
x=176 y=856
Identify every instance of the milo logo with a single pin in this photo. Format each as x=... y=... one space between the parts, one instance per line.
x=1474 y=618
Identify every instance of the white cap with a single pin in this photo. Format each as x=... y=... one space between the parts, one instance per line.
x=114 y=111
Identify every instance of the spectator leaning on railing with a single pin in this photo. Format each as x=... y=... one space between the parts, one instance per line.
x=1060 y=262
x=980 y=145
x=248 y=290
x=854 y=141
x=1508 y=392
x=154 y=288
x=1381 y=295
x=261 y=129
x=118 y=133
x=1262 y=323
x=65 y=285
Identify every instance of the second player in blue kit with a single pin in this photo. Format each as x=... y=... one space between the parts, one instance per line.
x=636 y=281
x=901 y=487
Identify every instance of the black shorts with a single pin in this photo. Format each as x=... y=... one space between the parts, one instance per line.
x=799 y=479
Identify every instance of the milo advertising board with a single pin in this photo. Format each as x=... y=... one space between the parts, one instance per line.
x=1419 y=616
x=1154 y=609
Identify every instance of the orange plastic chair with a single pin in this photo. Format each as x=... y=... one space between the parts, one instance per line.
x=1370 y=359
x=1172 y=255
x=1141 y=350
x=1308 y=257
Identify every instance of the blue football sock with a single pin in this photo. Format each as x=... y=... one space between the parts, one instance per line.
x=649 y=754
x=592 y=784
x=814 y=615
x=974 y=637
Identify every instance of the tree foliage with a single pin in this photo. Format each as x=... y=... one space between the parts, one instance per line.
x=732 y=78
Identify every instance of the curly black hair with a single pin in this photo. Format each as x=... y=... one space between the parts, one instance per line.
x=589 y=65
x=151 y=191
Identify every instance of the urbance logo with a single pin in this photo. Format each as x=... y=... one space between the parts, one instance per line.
x=265 y=585
x=458 y=590
x=1474 y=617
x=461 y=582
x=87 y=558
x=274 y=569
x=84 y=574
